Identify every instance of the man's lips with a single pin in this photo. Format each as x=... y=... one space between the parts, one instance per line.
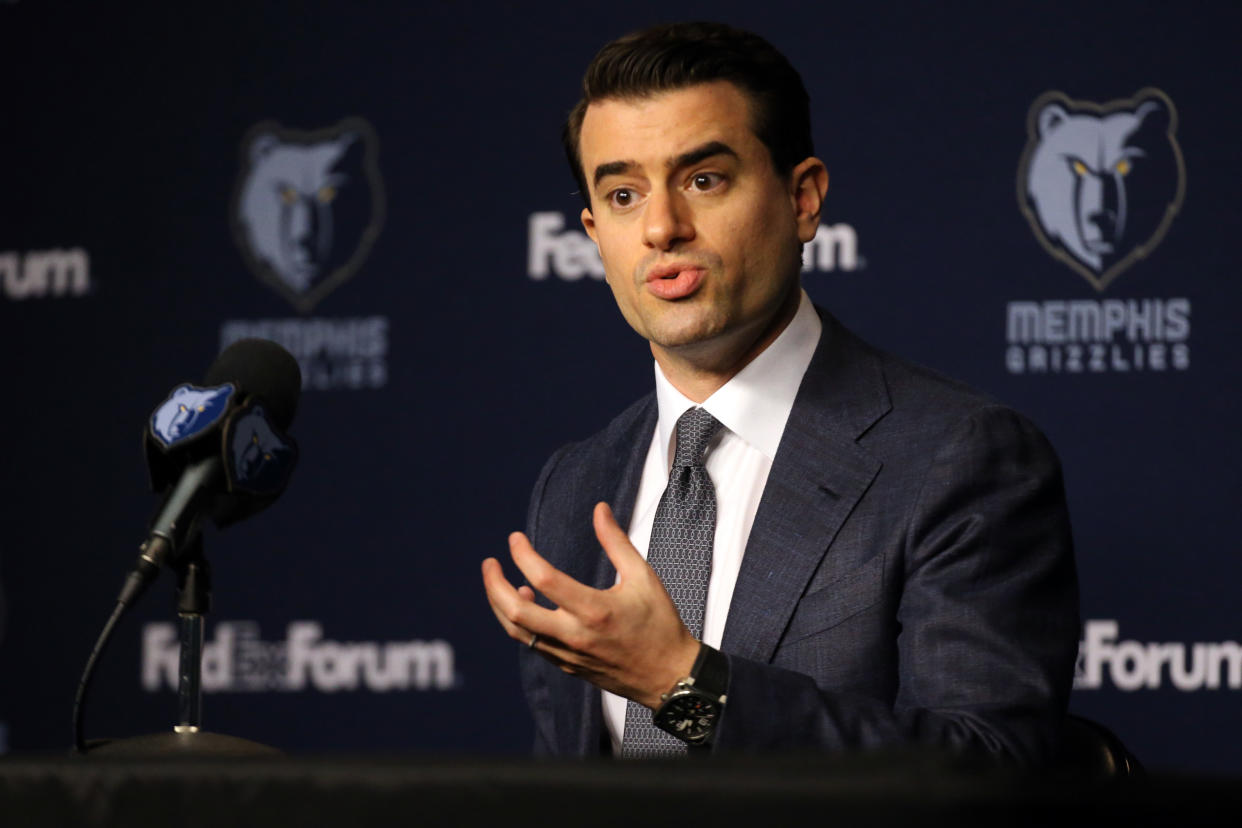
x=675 y=281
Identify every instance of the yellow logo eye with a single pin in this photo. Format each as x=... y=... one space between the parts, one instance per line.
x=326 y=194
x=1123 y=166
x=201 y=409
x=288 y=195
x=1080 y=168
x=181 y=407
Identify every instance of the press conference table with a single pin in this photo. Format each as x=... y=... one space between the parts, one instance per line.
x=902 y=788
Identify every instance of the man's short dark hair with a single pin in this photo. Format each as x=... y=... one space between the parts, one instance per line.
x=676 y=55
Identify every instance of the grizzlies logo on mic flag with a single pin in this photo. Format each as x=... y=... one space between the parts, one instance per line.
x=308 y=206
x=258 y=457
x=188 y=412
x=1100 y=183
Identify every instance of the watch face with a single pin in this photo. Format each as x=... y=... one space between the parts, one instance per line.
x=688 y=715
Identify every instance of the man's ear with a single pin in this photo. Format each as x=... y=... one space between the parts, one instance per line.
x=588 y=224
x=809 y=182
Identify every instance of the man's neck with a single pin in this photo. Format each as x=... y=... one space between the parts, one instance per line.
x=699 y=370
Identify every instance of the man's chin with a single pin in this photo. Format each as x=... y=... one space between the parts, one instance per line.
x=686 y=338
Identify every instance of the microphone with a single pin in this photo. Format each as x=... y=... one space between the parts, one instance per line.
x=218 y=450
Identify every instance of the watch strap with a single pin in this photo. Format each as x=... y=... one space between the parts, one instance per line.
x=711 y=671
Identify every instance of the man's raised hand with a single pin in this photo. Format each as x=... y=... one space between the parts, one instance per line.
x=627 y=639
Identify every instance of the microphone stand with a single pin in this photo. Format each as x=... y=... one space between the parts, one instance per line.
x=187 y=736
x=193 y=603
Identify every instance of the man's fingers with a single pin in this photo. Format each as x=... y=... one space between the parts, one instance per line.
x=519 y=615
x=560 y=655
x=494 y=582
x=558 y=587
x=616 y=542
x=546 y=644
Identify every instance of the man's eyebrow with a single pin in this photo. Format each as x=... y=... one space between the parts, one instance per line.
x=694 y=156
x=686 y=159
x=611 y=168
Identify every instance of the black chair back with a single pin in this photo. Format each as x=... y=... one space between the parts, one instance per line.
x=1091 y=751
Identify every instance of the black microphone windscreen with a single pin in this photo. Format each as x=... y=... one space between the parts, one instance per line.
x=263 y=368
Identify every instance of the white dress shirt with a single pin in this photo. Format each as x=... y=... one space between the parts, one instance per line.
x=753 y=406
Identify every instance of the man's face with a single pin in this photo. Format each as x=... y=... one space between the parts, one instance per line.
x=699 y=235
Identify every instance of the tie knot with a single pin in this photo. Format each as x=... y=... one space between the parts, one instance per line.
x=695 y=429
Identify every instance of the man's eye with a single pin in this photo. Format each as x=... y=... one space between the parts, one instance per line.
x=706 y=181
x=621 y=198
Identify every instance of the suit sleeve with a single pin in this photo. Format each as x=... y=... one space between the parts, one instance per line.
x=987 y=616
x=538 y=694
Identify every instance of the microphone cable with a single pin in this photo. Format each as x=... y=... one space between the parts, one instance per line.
x=79 y=741
x=135 y=583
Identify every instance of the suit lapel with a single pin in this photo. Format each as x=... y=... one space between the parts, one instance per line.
x=627 y=454
x=625 y=450
x=817 y=477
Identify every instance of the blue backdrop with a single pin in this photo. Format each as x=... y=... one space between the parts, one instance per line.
x=381 y=189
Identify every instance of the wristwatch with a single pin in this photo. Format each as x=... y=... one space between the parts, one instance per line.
x=692 y=709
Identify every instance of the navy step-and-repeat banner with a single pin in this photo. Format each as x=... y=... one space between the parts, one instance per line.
x=1038 y=198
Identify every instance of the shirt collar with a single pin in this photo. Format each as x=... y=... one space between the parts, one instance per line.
x=756 y=402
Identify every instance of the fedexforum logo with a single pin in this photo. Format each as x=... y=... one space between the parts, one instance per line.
x=308 y=206
x=236 y=660
x=569 y=254
x=45 y=274
x=1135 y=665
x=1100 y=183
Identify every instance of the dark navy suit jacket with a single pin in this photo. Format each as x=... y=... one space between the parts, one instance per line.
x=909 y=577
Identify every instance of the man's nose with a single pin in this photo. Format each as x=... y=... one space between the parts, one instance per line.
x=666 y=220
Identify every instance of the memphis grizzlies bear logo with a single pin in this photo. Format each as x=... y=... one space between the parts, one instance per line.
x=259 y=458
x=308 y=206
x=1100 y=183
x=189 y=411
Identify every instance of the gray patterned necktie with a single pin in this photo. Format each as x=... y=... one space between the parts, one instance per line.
x=680 y=552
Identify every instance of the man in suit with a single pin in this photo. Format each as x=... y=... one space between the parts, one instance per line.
x=888 y=557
